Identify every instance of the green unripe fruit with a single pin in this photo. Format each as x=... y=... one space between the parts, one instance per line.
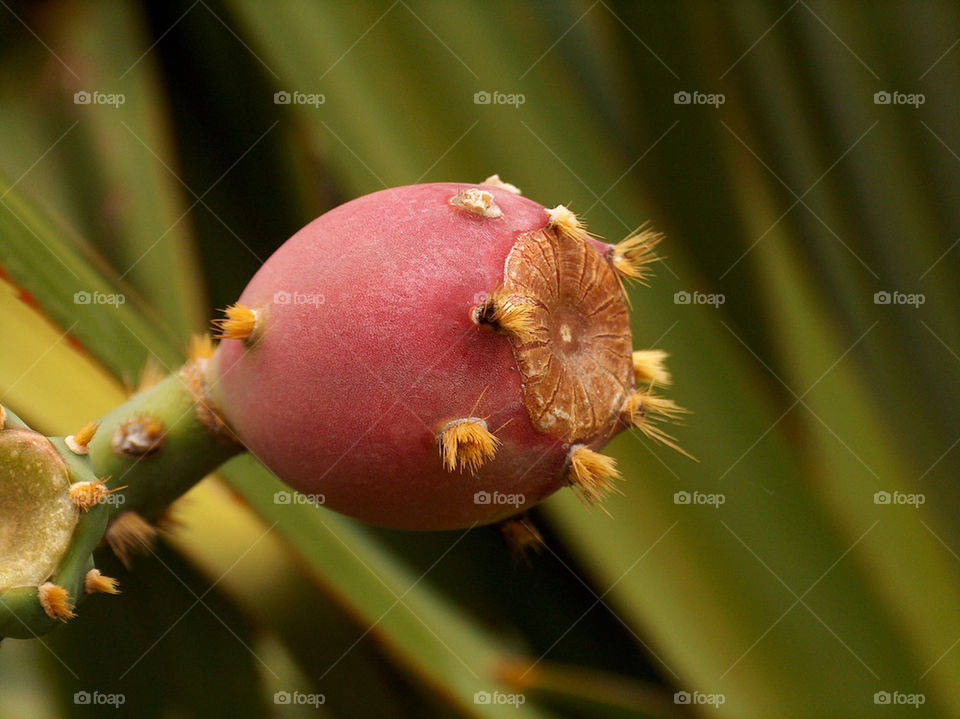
x=37 y=516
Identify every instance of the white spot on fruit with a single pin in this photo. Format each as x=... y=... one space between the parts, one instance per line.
x=477 y=202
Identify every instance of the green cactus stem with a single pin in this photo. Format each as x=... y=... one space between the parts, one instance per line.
x=161 y=442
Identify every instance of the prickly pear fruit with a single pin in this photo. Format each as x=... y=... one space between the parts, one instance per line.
x=437 y=356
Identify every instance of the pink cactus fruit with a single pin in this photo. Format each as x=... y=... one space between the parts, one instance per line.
x=441 y=355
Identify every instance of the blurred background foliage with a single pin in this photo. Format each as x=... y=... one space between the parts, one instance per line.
x=793 y=202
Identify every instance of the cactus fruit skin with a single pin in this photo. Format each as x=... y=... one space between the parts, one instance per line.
x=399 y=314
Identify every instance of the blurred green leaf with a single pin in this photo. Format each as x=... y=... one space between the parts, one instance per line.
x=53 y=383
x=168 y=612
x=76 y=290
x=423 y=632
x=109 y=164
